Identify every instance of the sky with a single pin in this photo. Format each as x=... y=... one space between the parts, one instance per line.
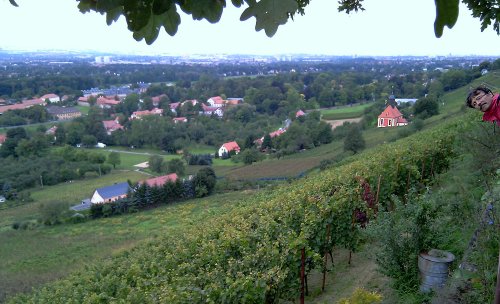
x=385 y=28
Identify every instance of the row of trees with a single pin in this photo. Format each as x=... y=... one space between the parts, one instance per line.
x=144 y=196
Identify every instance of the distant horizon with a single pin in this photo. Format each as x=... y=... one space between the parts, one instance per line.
x=111 y=53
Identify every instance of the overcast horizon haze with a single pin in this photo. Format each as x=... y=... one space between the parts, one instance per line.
x=391 y=28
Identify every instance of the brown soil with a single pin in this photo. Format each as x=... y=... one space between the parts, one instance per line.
x=339 y=122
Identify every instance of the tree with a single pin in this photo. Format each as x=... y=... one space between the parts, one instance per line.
x=114 y=159
x=176 y=166
x=250 y=156
x=204 y=182
x=146 y=18
x=354 y=139
x=426 y=107
x=155 y=163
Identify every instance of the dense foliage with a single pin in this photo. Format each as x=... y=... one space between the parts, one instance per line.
x=252 y=255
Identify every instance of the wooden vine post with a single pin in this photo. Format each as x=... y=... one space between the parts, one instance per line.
x=302 y=274
x=378 y=192
x=325 y=262
x=353 y=223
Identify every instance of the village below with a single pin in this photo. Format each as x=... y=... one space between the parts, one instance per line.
x=125 y=149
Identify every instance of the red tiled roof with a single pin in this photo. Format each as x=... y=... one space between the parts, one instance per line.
x=300 y=113
x=232 y=145
x=103 y=100
x=112 y=125
x=276 y=133
x=3 y=138
x=182 y=119
x=390 y=112
x=160 y=180
x=217 y=100
x=20 y=106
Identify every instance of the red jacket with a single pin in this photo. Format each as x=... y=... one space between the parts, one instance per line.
x=493 y=113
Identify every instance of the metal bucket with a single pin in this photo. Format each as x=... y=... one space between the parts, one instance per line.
x=433 y=266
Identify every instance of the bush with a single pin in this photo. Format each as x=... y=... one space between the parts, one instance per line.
x=403 y=234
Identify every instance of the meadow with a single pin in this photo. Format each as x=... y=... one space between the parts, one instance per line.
x=30 y=258
x=344 y=112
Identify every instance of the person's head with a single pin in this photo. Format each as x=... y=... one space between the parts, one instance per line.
x=480 y=98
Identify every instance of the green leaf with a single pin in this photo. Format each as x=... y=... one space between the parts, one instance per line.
x=113 y=15
x=446 y=15
x=161 y=6
x=269 y=14
x=104 y=6
x=86 y=6
x=137 y=13
x=210 y=10
x=171 y=20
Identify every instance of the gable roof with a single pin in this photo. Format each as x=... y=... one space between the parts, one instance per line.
x=300 y=113
x=21 y=106
x=113 y=190
x=230 y=146
x=106 y=101
x=217 y=100
x=160 y=180
x=111 y=125
x=49 y=96
x=55 y=110
x=390 y=112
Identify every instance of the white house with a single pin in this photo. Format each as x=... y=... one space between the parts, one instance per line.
x=51 y=97
x=228 y=147
x=110 y=193
x=216 y=102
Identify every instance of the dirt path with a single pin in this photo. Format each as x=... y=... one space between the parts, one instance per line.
x=339 y=122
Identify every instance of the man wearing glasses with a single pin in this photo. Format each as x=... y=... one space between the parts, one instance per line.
x=483 y=99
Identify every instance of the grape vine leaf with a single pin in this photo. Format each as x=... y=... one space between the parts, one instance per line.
x=269 y=14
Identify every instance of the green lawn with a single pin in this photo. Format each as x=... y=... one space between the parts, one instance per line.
x=344 y=112
x=29 y=258
x=70 y=193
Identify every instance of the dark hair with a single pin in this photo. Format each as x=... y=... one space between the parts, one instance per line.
x=474 y=93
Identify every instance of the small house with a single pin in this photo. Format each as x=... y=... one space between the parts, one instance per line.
x=226 y=148
x=112 y=125
x=51 y=98
x=391 y=117
x=110 y=194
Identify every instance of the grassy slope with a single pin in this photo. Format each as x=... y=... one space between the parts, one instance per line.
x=31 y=258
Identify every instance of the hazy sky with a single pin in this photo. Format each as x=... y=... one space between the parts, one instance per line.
x=386 y=27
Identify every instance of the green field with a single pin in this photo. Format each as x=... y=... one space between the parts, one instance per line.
x=70 y=193
x=29 y=258
x=344 y=112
